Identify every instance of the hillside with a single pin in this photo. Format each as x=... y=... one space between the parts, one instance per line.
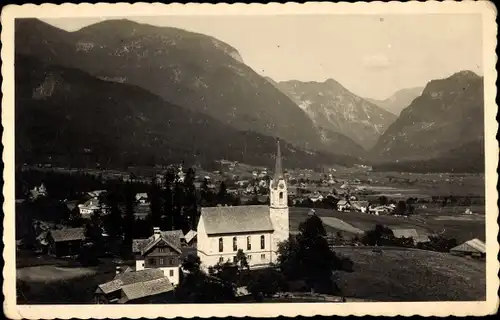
x=70 y=117
x=399 y=100
x=336 y=109
x=190 y=70
x=444 y=123
x=465 y=158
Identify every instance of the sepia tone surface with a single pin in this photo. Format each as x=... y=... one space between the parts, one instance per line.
x=337 y=155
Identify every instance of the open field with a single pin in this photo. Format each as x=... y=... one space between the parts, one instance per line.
x=412 y=275
x=460 y=229
x=48 y=280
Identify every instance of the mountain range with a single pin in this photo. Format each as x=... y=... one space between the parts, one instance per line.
x=399 y=100
x=336 y=109
x=120 y=92
x=71 y=117
x=446 y=122
x=186 y=69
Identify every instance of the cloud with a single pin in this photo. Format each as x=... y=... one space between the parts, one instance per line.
x=377 y=62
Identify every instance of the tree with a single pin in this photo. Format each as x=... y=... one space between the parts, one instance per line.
x=241 y=260
x=266 y=283
x=113 y=222
x=221 y=195
x=308 y=256
x=383 y=200
x=378 y=236
x=400 y=207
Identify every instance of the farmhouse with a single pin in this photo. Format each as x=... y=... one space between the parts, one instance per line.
x=142 y=198
x=255 y=229
x=65 y=242
x=474 y=248
x=90 y=207
x=361 y=206
x=410 y=233
x=145 y=286
x=343 y=205
x=160 y=251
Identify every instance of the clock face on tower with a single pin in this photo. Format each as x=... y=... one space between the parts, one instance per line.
x=281 y=186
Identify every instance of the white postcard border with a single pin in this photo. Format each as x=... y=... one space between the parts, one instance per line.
x=486 y=9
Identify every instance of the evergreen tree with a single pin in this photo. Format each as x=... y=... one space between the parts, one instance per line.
x=222 y=194
x=155 y=204
x=307 y=256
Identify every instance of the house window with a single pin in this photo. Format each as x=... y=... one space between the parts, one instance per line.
x=249 y=243
x=221 y=245
x=171 y=261
x=262 y=242
x=161 y=250
x=161 y=262
x=221 y=260
x=171 y=273
x=152 y=262
x=262 y=257
x=249 y=258
x=235 y=245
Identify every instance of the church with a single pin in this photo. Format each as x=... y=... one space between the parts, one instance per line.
x=256 y=229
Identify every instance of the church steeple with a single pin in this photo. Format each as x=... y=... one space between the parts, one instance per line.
x=278 y=169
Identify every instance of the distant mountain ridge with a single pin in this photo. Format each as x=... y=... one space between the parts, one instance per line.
x=399 y=100
x=445 y=123
x=336 y=109
x=186 y=69
x=70 y=117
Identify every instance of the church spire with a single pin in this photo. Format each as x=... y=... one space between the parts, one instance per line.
x=278 y=170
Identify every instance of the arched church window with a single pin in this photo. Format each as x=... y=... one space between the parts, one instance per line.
x=221 y=245
x=281 y=195
x=262 y=242
x=235 y=245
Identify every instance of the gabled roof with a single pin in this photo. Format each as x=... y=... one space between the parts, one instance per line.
x=160 y=239
x=173 y=238
x=359 y=203
x=130 y=278
x=190 y=235
x=474 y=245
x=406 y=233
x=222 y=220
x=145 y=289
x=142 y=195
x=68 y=234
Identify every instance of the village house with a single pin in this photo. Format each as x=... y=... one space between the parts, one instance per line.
x=473 y=248
x=361 y=206
x=96 y=193
x=142 y=198
x=255 y=229
x=410 y=233
x=38 y=192
x=144 y=286
x=65 y=242
x=160 y=251
x=343 y=205
x=91 y=206
x=315 y=197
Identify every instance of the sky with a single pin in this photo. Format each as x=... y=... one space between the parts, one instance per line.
x=371 y=55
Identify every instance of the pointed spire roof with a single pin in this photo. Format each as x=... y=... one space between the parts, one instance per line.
x=278 y=170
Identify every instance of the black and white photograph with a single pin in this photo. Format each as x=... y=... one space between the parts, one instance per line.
x=333 y=158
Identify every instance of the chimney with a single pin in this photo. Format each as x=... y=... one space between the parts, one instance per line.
x=156 y=232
